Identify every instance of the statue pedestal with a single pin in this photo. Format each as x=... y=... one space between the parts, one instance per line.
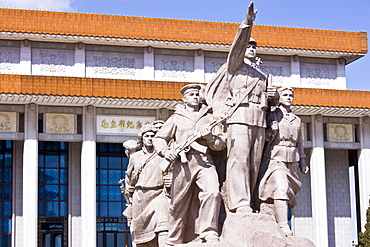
x=253 y=230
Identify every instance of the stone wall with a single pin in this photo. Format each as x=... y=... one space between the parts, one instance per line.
x=302 y=222
x=338 y=198
x=125 y=62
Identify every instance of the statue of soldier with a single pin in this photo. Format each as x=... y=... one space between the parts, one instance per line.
x=194 y=175
x=283 y=157
x=243 y=87
x=145 y=183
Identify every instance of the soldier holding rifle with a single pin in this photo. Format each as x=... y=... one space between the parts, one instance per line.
x=193 y=169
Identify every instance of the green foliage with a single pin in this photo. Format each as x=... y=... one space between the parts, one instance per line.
x=364 y=237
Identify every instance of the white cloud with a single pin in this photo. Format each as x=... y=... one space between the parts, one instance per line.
x=61 y=5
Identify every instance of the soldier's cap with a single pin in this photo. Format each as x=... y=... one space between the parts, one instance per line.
x=190 y=86
x=252 y=41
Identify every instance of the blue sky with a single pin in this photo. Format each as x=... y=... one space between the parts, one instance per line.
x=341 y=15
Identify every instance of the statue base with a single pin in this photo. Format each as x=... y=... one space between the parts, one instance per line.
x=253 y=230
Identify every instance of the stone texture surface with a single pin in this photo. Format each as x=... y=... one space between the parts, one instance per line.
x=253 y=230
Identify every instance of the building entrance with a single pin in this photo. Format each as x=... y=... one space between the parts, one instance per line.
x=52 y=239
x=53 y=232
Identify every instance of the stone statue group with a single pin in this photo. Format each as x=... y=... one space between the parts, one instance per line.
x=237 y=135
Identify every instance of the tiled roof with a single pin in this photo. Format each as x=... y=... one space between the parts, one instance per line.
x=140 y=89
x=331 y=98
x=92 y=87
x=63 y=23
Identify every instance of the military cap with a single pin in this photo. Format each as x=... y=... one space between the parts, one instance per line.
x=190 y=86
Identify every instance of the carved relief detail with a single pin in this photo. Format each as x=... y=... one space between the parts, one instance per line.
x=340 y=133
x=317 y=73
x=317 y=76
x=276 y=71
x=172 y=68
x=59 y=123
x=5 y=123
x=5 y=60
x=273 y=70
x=53 y=62
x=114 y=65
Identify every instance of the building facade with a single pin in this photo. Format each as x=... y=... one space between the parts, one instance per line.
x=75 y=86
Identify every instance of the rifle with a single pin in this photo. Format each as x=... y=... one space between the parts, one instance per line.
x=125 y=192
x=185 y=145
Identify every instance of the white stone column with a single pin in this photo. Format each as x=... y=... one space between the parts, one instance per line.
x=352 y=189
x=25 y=58
x=74 y=192
x=30 y=176
x=364 y=169
x=318 y=183
x=17 y=203
x=295 y=70
x=341 y=81
x=199 y=73
x=148 y=70
x=88 y=178
x=79 y=66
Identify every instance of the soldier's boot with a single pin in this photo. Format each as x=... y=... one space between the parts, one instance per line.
x=281 y=216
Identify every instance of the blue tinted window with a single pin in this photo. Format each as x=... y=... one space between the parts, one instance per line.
x=6 y=177
x=7 y=225
x=63 y=160
x=103 y=209
x=63 y=176
x=41 y=173
x=103 y=161
x=112 y=229
x=103 y=177
x=7 y=208
x=109 y=240
x=41 y=160
x=52 y=208
x=115 y=208
x=104 y=193
x=114 y=176
x=115 y=194
x=111 y=167
x=51 y=176
x=100 y=240
x=7 y=192
x=7 y=241
x=63 y=192
x=115 y=162
x=52 y=160
x=63 y=208
x=41 y=207
x=51 y=192
x=53 y=179
x=8 y=159
x=63 y=146
x=120 y=239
